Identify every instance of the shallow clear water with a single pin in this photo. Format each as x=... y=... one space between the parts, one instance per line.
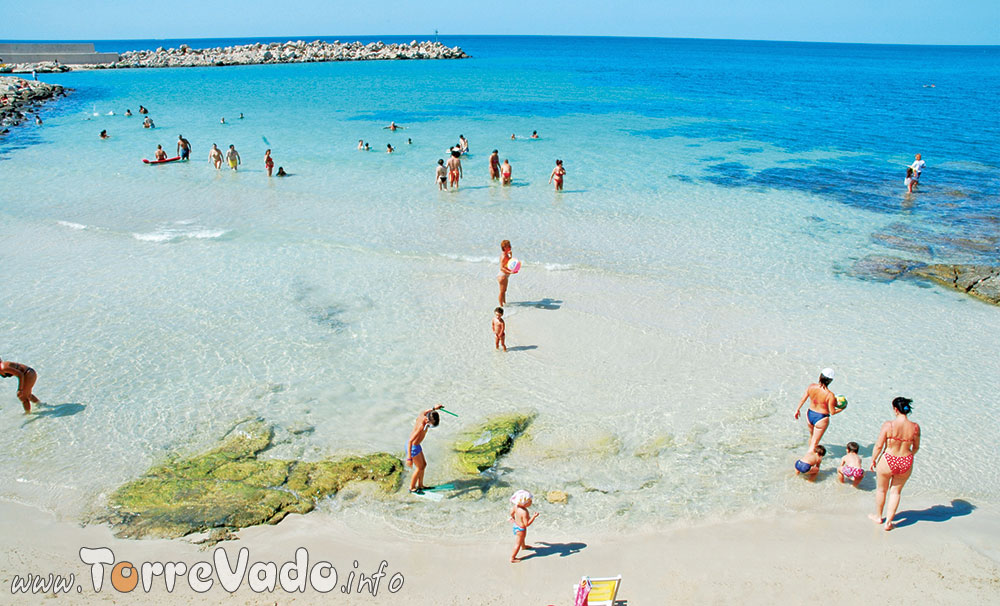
x=675 y=300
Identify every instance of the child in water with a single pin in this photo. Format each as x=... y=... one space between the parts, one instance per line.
x=850 y=469
x=809 y=464
x=499 y=329
x=519 y=515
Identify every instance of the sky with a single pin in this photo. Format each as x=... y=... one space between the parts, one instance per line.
x=869 y=21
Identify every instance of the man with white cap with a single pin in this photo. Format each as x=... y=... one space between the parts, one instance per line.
x=822 y=406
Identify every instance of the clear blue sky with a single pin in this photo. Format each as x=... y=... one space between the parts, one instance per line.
x=880 y=21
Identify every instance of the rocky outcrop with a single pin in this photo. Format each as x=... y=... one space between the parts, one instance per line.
x=480 y=449
x=229 y=487
x=19 y=97
x=980 y=281
x=275 y=52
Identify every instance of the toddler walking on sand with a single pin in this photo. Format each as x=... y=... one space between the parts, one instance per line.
x=499 y=329
x=522 y=519
x=809 y=464
x=851 y=469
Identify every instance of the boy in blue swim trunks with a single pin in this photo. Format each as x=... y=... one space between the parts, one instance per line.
x=809 y=464
x=414 y=453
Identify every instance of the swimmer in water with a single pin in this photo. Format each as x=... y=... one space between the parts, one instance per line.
x=26 y=377
x=268 y=162
x=281 y=172
x=183 y=148
x=215 y=156
x=495 y=165
x=463 y=144
x=534 y=134
x=160 y=154
x=389 y=148
x=454 y=169
x=222 y=120
x=128 y=113
x=233 y=157
x=441 y=176
x=505 y=171
x=361 y=145
x=104 y=134
x=414 y=452
x=557 y=175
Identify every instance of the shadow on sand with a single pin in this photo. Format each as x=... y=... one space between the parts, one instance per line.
x=42 y=410
x=937 y=513
x=543 y=549
x=546 y=303
x=522 y=347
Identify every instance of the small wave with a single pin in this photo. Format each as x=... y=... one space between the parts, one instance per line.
x=171 y=235
x=546 y=266
x=71 y=225
x=470 y=259
x=558 y=266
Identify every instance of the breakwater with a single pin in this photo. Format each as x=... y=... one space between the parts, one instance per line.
x=259 y=53
x=19 y=97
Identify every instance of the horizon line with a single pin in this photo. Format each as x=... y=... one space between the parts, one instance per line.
x=438 y=35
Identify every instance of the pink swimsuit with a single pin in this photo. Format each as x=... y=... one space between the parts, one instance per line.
x=852 y=472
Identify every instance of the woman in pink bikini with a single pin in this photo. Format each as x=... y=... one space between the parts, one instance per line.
x=898 y=441
x=504 y=275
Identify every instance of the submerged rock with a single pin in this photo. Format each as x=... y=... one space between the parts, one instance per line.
x=980 y=281
x=557 y=497
x=481 y=447
x=229 y=487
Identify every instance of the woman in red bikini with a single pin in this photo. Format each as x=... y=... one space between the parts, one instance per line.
x=558 y=173
x=893 y=460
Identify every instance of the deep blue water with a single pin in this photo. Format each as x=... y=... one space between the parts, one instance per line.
x=876 y=105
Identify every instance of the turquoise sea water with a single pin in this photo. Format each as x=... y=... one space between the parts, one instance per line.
x=674 y=303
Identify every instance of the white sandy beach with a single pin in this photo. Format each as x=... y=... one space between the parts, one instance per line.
x=941 y=554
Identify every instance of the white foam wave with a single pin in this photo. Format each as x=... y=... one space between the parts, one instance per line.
x=171 y=235
x=71 y=225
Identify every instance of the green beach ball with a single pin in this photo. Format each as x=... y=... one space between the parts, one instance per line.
x=841 y=403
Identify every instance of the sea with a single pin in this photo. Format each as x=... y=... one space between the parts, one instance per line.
x=677 y=297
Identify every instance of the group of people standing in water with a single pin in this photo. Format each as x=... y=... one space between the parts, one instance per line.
x=892 y=455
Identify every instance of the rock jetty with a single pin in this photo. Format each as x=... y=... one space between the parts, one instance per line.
x=19 y=97
x=256 y=54
x=230 y=487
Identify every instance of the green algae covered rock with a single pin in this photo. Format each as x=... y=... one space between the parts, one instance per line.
x=229 y=487
x=316 y=480
x=480 y=448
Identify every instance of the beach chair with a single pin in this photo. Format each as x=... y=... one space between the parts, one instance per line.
x=602 y=591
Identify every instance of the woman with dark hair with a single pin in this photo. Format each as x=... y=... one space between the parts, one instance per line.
x=898 y=441
x=822 y=406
